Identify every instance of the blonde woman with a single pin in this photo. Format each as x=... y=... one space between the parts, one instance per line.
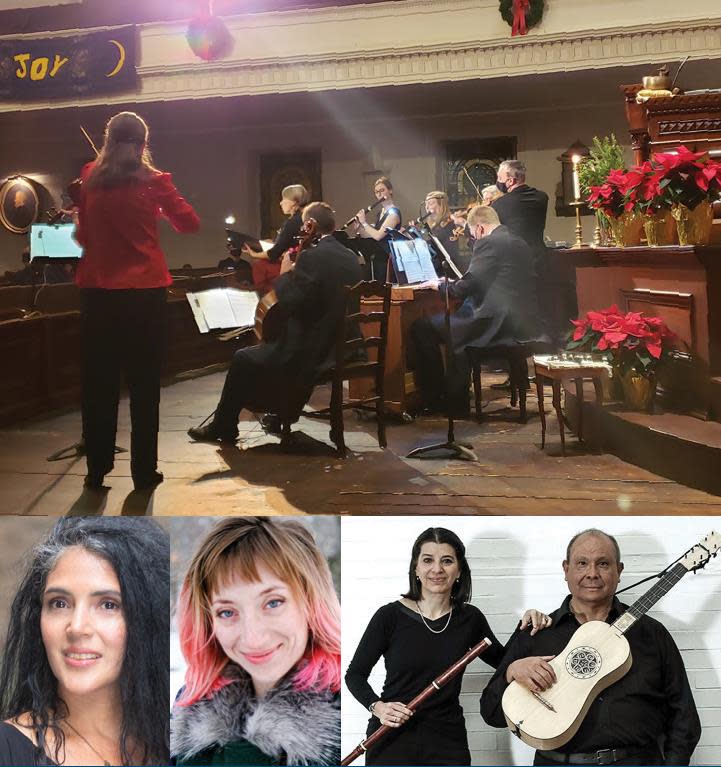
x=388 y=219
x=266 y=266
x=259 y=624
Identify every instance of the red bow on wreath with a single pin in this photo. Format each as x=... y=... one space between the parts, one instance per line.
x=519 y=17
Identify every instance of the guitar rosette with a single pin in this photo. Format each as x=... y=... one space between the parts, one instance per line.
x=583 y=662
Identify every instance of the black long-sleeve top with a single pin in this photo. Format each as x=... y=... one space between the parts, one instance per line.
x=286 y=236
x=652 y=701
x=415 y=656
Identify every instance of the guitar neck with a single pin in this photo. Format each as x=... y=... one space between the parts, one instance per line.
x=642 y=605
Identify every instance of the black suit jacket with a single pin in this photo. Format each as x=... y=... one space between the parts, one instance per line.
x=310 y=296
x=499 y=294
x=523 y=211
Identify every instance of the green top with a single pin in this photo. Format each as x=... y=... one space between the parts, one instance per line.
x=238 y=752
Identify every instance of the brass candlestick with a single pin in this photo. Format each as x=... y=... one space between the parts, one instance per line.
x=579 y=228
x=576 y=159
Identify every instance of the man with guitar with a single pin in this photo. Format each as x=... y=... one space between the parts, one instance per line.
x=279 y=376
x=648 y=716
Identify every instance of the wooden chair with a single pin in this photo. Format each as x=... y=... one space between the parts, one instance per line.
x=516 y=356
x=348 y=366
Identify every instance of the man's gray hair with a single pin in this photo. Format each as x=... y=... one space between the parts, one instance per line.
x=516 y=169
x=597 y=532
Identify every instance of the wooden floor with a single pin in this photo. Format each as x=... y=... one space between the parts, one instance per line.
x=513 y=476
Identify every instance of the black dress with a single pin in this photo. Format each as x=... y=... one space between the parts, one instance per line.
x=414 y=657
x=17 y=749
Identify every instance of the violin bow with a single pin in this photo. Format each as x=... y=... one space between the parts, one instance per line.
x=90 y=141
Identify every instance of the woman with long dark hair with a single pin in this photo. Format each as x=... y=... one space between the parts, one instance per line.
x=123 y=279
x=84 y=675
x=259 y=624
x=420 y=636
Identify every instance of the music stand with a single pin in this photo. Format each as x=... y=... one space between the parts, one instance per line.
x=463 y=451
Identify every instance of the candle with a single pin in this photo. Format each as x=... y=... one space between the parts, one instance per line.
x=576 y=181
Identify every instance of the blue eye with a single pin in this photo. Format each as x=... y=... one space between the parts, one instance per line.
x=224 y=614
x=274 y=603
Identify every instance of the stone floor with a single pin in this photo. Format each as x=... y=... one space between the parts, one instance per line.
x=512 y=476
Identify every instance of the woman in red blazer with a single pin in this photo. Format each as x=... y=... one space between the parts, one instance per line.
x=123 y=279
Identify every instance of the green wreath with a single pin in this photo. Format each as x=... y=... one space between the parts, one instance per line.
x=533 y=14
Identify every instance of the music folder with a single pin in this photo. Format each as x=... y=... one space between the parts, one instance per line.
x=223 y=308
x=54 y=242
x=240 y=239
x=412 y=261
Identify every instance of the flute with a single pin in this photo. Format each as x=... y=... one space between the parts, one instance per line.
x=421 y=698
x=367 y=210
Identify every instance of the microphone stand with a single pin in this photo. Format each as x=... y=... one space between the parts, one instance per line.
x=463 y=451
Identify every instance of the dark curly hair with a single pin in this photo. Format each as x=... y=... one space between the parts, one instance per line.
x=138 y=551
x=462 y=589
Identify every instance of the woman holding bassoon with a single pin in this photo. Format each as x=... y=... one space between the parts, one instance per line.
x=420 y=636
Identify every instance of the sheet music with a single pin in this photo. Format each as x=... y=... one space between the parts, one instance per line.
x=195 y=307
x=243 y=304
x=221 y=308
x=414 y=259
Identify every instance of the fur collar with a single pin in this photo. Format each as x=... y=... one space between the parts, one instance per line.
x=292 y=727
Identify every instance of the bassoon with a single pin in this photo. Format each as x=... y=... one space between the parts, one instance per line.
x=421 y=698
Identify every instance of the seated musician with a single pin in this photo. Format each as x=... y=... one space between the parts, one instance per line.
x=278 y=377
x=266 y=266
x=234 y=260
x=389 y=218
x=499 y=307
x=648 y=717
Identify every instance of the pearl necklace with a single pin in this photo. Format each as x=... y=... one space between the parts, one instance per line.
x=423 y=618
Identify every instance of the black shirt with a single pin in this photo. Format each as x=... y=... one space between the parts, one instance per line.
x=286 y=236
x=415 y=656
x=652 y=702
x=17 y=749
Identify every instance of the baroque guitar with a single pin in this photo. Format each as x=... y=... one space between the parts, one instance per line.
x=597 y=655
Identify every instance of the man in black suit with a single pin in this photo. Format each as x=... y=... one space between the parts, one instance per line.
x=279 y=377
x=521 y=208
x=500 y=307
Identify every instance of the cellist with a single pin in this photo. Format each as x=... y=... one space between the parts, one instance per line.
x=278 y=377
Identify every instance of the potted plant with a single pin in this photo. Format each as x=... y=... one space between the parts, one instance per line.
x=605 y=155
x=611 y=198
x=688 y=183
x=642 y=193
x=635 y=345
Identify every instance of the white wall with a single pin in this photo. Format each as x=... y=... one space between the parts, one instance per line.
x=516 y=564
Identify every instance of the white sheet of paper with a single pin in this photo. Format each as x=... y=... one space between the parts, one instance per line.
x=416 y=260
x=266 y=245
x=197 y=312
x=243 y=304
x=221 y=308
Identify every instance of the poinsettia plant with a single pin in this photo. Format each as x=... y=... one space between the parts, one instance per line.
x=610 y=197
x=632 y=340
x=684 y=177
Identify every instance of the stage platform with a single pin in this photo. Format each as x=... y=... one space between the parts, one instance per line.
x=513 y=475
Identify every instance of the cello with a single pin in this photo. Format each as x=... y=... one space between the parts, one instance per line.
x=269 y=315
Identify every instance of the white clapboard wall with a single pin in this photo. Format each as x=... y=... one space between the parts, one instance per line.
x=516 y=563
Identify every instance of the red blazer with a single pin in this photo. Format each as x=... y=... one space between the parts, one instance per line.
x=118 y=230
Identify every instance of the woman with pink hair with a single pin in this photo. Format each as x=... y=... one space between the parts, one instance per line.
x=259 y=625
